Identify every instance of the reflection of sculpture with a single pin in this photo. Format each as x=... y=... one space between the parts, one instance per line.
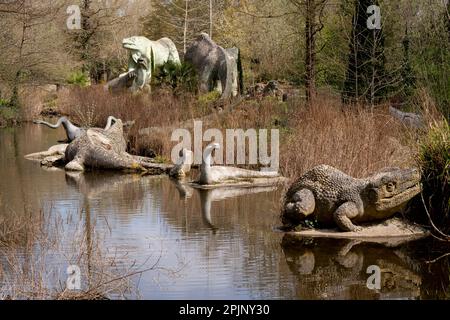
x=214 y=65
x=92 y=184
x=106 y=149
x=331 y=268
x=208 y=196
x=220 y=174
x=328 y=195
x=145 y=55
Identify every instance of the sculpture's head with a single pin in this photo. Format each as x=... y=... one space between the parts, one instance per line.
x=391 y=189
x=212 y=146
x=138 y=47
x=207 y=153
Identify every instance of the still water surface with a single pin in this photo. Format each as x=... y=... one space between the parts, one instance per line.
x=221 y=245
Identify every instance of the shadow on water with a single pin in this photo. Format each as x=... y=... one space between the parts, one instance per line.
x=227 y=238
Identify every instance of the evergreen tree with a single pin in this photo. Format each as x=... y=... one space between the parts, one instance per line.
x=366 y=80
x=408 y=78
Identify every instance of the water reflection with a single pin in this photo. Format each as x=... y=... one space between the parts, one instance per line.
x=337 y=268
x=226 y=237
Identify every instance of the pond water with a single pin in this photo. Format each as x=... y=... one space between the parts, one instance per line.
x=210 y=245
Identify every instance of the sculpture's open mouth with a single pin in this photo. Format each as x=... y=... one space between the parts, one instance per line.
x=398 y=199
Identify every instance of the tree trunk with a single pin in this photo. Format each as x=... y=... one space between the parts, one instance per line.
x=186 y=16
x=210 y=18
x=310 y=54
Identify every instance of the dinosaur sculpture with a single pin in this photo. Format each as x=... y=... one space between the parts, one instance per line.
x=410 y=119
x=210 y=175
x=183 y=165
x=49 y=157
x=72 y=131
x=331 y=197
x=145 y=55
x=215 y=65
x=106 y=149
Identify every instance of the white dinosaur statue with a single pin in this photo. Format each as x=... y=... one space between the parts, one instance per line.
x=145 y=56
x=220 y=174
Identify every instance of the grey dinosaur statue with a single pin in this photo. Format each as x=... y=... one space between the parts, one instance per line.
x=220 y=174
x=214 y=65
x=409 y=119
x=145 y=56
x=72 y=131
x=49 y=157
x=106 y=149
x=183 y=165
x=332 y=197
x=122 y=83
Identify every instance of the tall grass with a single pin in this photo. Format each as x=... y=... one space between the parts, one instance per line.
x=355 y=140
x=434 y=161
x=37 y=248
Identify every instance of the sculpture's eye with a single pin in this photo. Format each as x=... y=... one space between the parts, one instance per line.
x=390 y=187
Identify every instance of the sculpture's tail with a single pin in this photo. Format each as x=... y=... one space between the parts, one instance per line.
x=238 y=173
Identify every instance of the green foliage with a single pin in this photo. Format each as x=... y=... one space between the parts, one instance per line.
x=8 y=115
x=178 y=77
x=78 y=78
x=366 y=77
x=434 y=160
x=209 y=97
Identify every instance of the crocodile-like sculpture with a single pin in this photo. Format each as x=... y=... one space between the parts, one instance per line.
x=106 y=149
x=330 y=196
x=220 y=174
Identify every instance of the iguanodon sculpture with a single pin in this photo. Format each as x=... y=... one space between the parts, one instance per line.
x=220 y=174
x=145 y=56
x=217 y=68
x=334 y=198
x=72 y=131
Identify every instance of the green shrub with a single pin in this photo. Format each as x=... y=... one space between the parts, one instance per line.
x=78 y=78
x=434 y=161
x=209 y=97
x=178 y=77
x=8 y=116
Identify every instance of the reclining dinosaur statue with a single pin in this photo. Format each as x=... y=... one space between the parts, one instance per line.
x=210 y=175
x=334 y=198
x=145 y=56
x=106 y=149
x=72 y=131
x=217 y=68
x=410 y=119
x=98 y=149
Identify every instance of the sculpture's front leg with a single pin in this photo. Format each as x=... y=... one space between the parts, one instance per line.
x=343 y=215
